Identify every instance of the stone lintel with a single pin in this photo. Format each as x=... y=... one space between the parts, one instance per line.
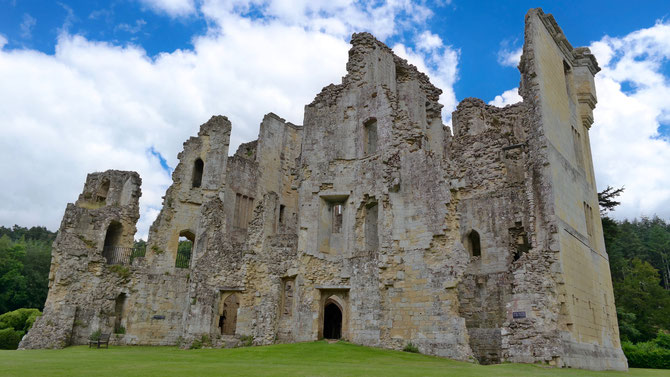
x=333 y=287
x=232 y=289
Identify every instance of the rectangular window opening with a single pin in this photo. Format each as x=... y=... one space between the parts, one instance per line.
x=370 y=137
x=244 y=208
x=337 y=218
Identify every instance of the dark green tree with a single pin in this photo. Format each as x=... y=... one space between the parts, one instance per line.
x=640 y=293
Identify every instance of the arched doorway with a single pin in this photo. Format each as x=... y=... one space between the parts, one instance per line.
x=228 y=316
x=111 y=246
x=332 y=320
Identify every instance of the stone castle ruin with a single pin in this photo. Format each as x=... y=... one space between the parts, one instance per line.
x=373 y=222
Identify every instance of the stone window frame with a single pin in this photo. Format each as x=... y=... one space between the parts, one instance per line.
x=369 y=125
x=470 y=244
x=197 y=172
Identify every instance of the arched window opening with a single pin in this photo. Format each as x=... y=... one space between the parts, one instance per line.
x=198 y=167
x=474 y=244
x=228 y=315
x=111 y=250
x=184 y=249
x=332 y=320
x=103 y=190
x=370 y=127
x=119 y=308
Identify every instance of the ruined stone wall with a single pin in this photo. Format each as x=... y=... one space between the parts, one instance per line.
x=246 y=247
x=559 y=80
x=182 y=201
x=83 y=284
x=395 y=288
x=489 y=157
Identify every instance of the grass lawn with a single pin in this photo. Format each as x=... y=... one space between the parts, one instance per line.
x=302 y=359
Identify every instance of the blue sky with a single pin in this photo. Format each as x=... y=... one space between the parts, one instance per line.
x=121 y=84
x=478 y=28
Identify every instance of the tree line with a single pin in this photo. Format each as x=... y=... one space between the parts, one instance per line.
x=25 y=258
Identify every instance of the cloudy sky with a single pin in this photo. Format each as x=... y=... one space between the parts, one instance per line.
x=93 y=85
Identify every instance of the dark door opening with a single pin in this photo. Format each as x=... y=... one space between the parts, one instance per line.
x=332 y=321
x=228 y=318
x=118 y=313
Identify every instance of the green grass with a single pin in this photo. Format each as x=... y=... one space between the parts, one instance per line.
x=302 y=359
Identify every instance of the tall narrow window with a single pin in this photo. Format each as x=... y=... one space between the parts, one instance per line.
x=279 y=224
x=371 y=236
x=337 y=218
x=474 y=244
x=238 y=208
x=119 y=308
x=577 y=145
x=244 y=208
x=111 y=251
x=370 y=137
x=281 y=214
x=288 y=297
x=588 y=215
x=198 y=167
x=567 y=73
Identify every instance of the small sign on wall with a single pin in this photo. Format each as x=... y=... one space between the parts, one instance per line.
x=518 y=315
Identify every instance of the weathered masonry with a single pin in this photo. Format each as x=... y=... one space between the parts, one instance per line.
x=373 y=222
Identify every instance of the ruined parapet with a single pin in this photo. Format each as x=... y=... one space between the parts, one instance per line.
x=375 y=234
x=248 y=241
x=199 y=177
x=91 y=261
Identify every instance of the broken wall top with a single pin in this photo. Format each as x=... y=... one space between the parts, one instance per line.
x=112 y=187
x=359 y=68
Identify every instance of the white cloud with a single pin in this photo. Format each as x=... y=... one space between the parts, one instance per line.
x=132 y=29
x=509 y=58
x=174 y=8
x=106 y=105
x=508 y=97
x=334 y=17
x=3 y=41
x=626 y=146
x=27 y=26
x=428 y=41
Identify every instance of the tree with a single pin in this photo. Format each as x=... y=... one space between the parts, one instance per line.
x=12 y=282
x=25 y=259
x=606 y=199
x=641 y=294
